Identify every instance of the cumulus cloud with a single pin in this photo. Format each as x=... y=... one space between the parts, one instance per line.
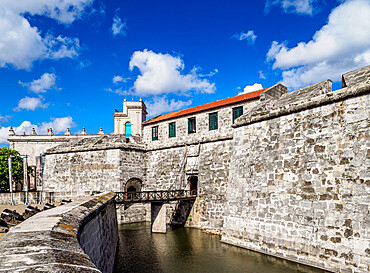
x=42 y=85
x=118 y=27
x=161 y=105
x=21 y=44
x=308 y=7
x=343 y=44
x=59 y=125
x=28 y=103
x=161 y=73
x=251 y=88
x=250 y=36
x=63 y=11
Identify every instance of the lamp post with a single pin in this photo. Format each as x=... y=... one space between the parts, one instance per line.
x=10 y=179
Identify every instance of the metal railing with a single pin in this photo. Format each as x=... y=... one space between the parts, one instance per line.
x=153 y=196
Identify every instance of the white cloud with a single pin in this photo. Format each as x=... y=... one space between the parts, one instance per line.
x=343 y=44
x=61 y=47
x=32 y=104
x=119 y=91
x=63 y=11
x=197 y=69
x=59 y=125
x=4 y=118
x=251 y=88
x=42 y=85
x=261 y=75
x=21 y=44
x=161 y=73
x=308 y=7
x=83 y=64
x=161 y=105
x=250 y=36
x=117 y=79
x=118 y=27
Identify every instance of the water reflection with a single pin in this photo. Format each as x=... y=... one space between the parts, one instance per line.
x=191 y=250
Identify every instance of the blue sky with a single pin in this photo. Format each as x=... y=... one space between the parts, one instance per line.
x=71 y=63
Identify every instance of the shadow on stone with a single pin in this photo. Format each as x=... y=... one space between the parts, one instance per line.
x=181 y=213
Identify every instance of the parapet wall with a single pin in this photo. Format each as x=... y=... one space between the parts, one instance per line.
x=93 y=165
x=77 y=237
x=299 y=179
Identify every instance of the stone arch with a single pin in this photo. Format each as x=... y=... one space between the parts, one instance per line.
x=193 y=182
x=133 y=185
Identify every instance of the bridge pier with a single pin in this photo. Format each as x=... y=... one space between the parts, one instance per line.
x=158 y=217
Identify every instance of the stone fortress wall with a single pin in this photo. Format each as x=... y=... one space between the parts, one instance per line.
x=290 y=178
x=299 y=178
x=170 y=162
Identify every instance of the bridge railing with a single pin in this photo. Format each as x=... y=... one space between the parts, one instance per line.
x=152 y=196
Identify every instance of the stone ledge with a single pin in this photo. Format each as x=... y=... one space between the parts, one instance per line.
x=106 y=142
x=272 y=108
x=48 y=241
x=201 y=140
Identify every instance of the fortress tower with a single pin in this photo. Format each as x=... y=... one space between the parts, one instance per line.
x=129 y=120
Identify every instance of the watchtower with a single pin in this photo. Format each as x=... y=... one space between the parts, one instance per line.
x=128 y=120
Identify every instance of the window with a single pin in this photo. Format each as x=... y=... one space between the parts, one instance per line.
x=128 y=129
x=213 y=121
x=172 y=129
x=237 y=112
x=155 y=133
x=191 y=126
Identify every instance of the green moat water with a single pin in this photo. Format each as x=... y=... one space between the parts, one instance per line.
x=191 y=250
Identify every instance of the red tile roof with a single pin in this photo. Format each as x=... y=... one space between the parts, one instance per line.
x=206 y=106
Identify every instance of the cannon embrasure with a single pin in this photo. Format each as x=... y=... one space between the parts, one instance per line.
x=65 y=201
x=48 y=206
x=3 y=226
x=11 y=217
x=30 y=211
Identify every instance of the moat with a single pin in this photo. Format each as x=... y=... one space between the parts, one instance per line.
x=191 y=250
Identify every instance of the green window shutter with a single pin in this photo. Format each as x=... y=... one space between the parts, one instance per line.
x=213 y=121
x=237 y=112
x=172 y=129
x=191 y=126
x=155 y=133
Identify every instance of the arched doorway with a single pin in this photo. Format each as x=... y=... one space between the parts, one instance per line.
x=128 y=129
x=193 y=182
x=133 y=185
